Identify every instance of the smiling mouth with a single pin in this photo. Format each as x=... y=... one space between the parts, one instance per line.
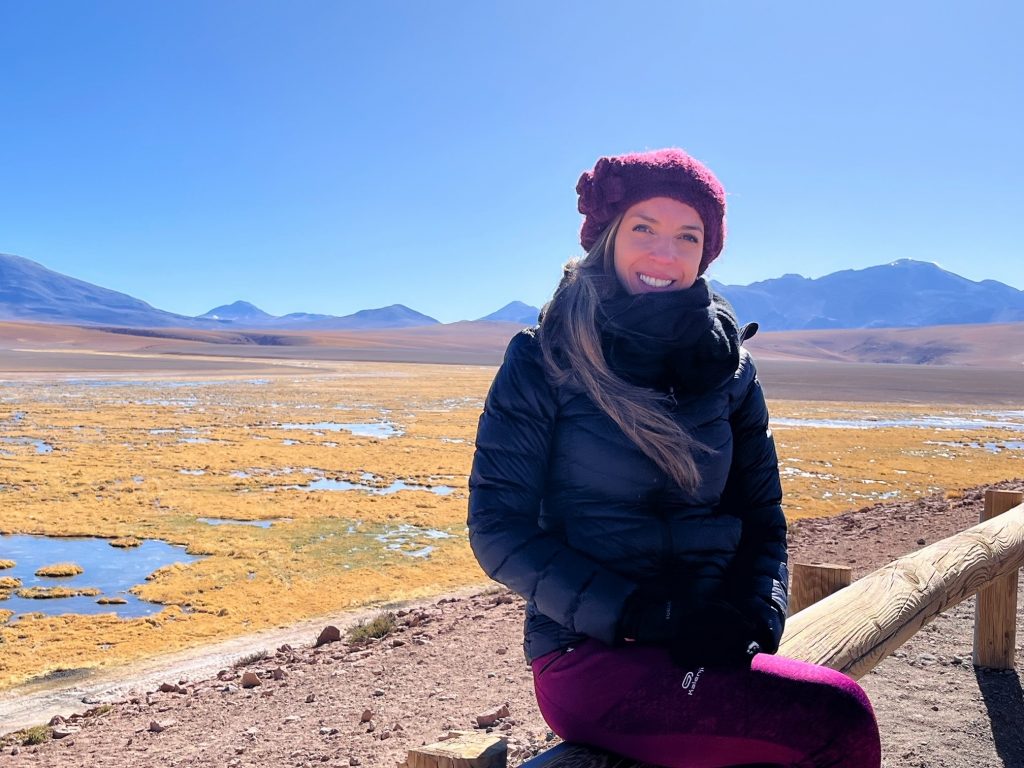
x=653 y=282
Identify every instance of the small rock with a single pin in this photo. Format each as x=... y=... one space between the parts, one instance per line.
x=926 y=659
x=328 y=731
x=384 y=735
x=501 y=651
x=15 y=750
x=353 y=761
x=159 y=726
x=396 y=643
x=63 y=731
x=56 y=720
x=488 y=719
x=956 y=660
x=311 y=698
x=278 y=674
x=920 y=542
x=230 y=688
x=285 y=649
x=171 y=688
x=366 y=717
x=378 y=691
x=292 y=719
x=329 y=634
x=370 y=727
x=251 y=680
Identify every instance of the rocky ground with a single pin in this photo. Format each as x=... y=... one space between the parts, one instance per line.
x=456 y=664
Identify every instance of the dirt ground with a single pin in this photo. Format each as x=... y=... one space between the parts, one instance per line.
x=454 y=659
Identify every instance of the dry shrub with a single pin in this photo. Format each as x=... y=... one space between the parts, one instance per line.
x=58 y=570
x=35 y=735
x=6 y=564
x=47 y=593
x=5 y=615
x=8 y=583
x=112 y=601
x=126 y=542
x=381 y=625
x=250 y=658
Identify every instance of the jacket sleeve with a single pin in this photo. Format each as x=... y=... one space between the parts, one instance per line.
x=753 y=492
x=506 y=486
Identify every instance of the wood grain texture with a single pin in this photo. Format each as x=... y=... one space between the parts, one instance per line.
x=814 y=582
x=854 y=629
x=467 y=750
x=995 y=612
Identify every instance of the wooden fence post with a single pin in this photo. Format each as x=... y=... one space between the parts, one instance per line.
x=995 y=611
x=811 y=583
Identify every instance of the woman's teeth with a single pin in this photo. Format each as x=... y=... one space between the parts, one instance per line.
x=654 y=282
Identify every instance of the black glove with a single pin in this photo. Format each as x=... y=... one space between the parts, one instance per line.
x=649 y=619
x=716 y=634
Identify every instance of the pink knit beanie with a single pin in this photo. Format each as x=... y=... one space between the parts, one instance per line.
x=618 y=182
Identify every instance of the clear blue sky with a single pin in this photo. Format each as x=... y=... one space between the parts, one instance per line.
x=336 y=156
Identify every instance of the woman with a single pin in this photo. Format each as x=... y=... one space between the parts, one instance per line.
x=626 y=484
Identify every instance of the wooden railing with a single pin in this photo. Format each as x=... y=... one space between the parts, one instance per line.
x=854 y=628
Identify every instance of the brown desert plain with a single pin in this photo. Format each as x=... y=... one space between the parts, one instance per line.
x=315 y=478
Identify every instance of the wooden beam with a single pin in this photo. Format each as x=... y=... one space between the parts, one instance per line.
x=813 y=582
x=857 y=627
x=995 y=612
x=465 y=749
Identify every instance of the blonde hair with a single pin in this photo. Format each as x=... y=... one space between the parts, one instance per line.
x=571 y=343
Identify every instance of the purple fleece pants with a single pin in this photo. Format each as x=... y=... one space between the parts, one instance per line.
x=633 y=701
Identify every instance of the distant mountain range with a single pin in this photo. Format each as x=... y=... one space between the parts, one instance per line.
x=905 y=293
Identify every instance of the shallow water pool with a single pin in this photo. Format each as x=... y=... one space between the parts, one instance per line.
x=110 y=569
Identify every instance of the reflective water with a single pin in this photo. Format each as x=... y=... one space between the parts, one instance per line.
x=324 y=483
x=112 y=570
x=380 y=429
x=922 y=422
x=991 y=447
x=41 y=445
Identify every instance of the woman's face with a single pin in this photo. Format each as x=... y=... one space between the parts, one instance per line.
x=658 y=246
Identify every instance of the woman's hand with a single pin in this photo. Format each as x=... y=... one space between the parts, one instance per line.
x=651 y=619
x=716 y=634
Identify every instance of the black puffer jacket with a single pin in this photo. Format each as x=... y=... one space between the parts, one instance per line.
x=570 y=514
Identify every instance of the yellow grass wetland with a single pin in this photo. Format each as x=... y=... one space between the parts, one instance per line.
x=299 y=495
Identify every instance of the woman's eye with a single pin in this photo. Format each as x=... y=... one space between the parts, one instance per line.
x=642 y=228
x=691 y=238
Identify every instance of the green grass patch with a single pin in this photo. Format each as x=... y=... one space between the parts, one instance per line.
x=381 y=625
x=35 y=735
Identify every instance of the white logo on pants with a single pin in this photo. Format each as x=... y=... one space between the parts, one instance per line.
x=691 y=679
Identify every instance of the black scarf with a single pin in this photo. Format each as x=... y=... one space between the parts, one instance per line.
x=685 y=342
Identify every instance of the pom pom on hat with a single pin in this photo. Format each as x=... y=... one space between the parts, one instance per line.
x=618 y=182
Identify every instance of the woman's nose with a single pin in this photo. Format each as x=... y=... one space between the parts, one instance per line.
x=663 y=250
